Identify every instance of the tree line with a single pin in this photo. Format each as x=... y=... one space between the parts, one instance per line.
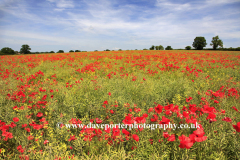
x=199 y=43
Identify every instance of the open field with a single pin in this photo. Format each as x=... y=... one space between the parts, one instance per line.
x=37 y=92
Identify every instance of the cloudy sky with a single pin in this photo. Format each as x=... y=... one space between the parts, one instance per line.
x=51 y=25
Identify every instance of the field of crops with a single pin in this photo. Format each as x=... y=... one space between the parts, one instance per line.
x=40 y=94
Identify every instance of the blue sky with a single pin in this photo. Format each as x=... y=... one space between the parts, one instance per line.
x=51 y=25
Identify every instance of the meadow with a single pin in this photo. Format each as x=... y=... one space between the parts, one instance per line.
x=37 y=92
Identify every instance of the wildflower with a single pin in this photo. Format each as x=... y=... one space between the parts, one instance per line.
x=227 y=119
x=135 y=137
x=237 y=127
x=15 y=119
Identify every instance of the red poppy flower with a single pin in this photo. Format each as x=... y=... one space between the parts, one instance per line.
x=15 y=119
x=171 y=138
x=188 y=99
x=227 y=119
x=98 y=121
x=185 y=142
x=135 y=137
x=158 y=109
x=72 y=138
x=237 y=127
x=39 y=114
x=124 y=131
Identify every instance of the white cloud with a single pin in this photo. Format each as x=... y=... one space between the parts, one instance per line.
x=173 y=6
x=62 y=4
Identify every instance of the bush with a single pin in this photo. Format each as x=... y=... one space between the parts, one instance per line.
x=77 y=51
x=188 y=47
x=51 y=52
x=107 y=50
x=71 y=51
x=120 y=50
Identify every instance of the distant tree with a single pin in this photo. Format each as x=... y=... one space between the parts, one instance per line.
x=7 y=50
x=216 y=42
x=71 y=51
x=107 y=50
x=96 y=51
x=157 y=47
x=37 y=52
x=199 y=43
x=168 y=48
x=120 y=50
x=188 y=47
x=136 y=49
x=25 y=49
x=60 y=51
x=46 y=52
x=238 y=49
x=145 y=49
x=77 y=51
x=151 y=48
x=161 y=47
x=51 y=52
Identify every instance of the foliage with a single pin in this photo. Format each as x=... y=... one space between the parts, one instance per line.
x=188 y=47
x=152 y=48
x=168 y=48
x=216 y=42
x=71 y=51
x=7 y=51
x=60 y=51
x=77 y=51
x=161 y=47
x=199 y=43
x=25 y=49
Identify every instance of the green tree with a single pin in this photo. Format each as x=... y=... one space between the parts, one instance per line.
x=216 y=42
x=7 y=50
x=77 y=51
x=188 y=47
x=107 y=50
x=120 y=50
x=157 y=47
x=161 y=47
x=25 y=49
x=71 y=51
x=168 y=48
x=152 y=48
x=199 y=43
x=60 y=51
x=51 y=52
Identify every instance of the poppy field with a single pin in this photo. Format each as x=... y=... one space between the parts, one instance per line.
x=40 y=94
